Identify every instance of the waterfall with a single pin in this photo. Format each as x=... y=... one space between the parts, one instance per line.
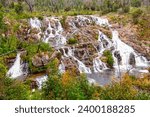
x=35 y=23
x=81 y=66
x=100 y=21
x=125 y=51
x=84 y=20
x=41 y=80
x=54 y=35
x=16 y=70
x=48 y=35
x=101 y=39
x=61 y=67
x=98 y=65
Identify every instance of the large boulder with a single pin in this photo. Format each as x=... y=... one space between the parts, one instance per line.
x=41 y=59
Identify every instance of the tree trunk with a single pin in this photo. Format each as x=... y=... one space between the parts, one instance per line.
x=30 y=5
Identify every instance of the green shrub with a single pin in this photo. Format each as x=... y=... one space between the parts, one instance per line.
x=118 y=91
x=44 y=47
x=135 y=3
x=67 y=87
x=109 y=6
x=143 y=96
x=136 y=13
x=17 y=91
x=3 y=27
x=12 y=5
x=8 y=44
x=67 y=9
x=126 y=9
x=3 y=70
x=109 y=58
x=1 y=5
x=40 y=17
x=96 y=36
x=18 y=8
x=16 y=27
x=33 y=48
x=63 y=22
x=72 y=41
x=11 y=89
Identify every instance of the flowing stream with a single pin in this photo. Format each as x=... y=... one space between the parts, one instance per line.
x=41 y=80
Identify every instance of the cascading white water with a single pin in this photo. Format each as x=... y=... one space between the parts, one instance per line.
x=61 y=67
x=120 y=46
x=81 y=66
x=16 y=70
x=100 y=21
x=54 y=32
x=83 y=20
x=125 y=52
x=98 y=65
x=41 y=80
x=102 y=38
x=35 y=23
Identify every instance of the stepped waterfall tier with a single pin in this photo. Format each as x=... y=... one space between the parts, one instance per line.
x=16 y=69
x=86 y=44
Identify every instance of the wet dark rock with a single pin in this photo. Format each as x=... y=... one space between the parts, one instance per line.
x=117 y=55
x=33 y=84
x=105 y=43
x=132 y=59
x=112 y=48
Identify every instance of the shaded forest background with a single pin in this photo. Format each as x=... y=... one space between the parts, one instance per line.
x=67 y=5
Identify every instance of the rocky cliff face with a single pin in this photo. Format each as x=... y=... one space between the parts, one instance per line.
x=82 y=41
x=129 y=33
x=86 y=44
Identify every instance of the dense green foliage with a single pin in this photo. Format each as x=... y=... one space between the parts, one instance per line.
x=13 y=90
x=136 y=3
x=71 y=87
x=18 y=8
x=72 y=41
x=109 y=58
x=68 y=86
x=9 y=44
x=136 y=13
x=3 y=70
x=2 y=24
x=104 y=6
